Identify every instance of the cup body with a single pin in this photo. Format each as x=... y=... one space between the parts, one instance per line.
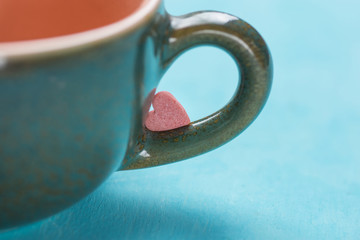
x=72 y=107
x=66 y=118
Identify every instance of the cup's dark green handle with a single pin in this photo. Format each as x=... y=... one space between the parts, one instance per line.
x=253 y=59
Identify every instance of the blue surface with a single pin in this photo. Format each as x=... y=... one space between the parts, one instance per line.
x=294 y=174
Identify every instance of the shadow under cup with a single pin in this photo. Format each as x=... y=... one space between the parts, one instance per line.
x=35 y=19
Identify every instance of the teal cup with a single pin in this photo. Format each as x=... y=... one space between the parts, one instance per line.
x=72 y=106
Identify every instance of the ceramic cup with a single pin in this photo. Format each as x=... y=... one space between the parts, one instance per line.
x=72 y=106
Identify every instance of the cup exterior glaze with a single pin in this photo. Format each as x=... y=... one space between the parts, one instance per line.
x=71 y=116
x=65 y=120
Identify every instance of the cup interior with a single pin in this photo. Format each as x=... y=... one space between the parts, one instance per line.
x=23 y=20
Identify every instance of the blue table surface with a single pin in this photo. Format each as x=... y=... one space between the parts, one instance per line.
x=293 y=174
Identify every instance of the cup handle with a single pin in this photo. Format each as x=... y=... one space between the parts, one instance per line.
x=253 y=59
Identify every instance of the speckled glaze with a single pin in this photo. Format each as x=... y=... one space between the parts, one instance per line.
x=253 y=59
x=72 y=117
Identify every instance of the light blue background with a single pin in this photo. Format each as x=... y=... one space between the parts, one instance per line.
x=293 y=174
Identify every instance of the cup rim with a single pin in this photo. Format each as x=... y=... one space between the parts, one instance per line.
x=19 y=49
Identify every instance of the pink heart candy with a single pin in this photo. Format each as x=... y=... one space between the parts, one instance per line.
x=168 y=113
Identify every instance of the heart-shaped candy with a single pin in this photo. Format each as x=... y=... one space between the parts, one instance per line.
x=167 y=114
